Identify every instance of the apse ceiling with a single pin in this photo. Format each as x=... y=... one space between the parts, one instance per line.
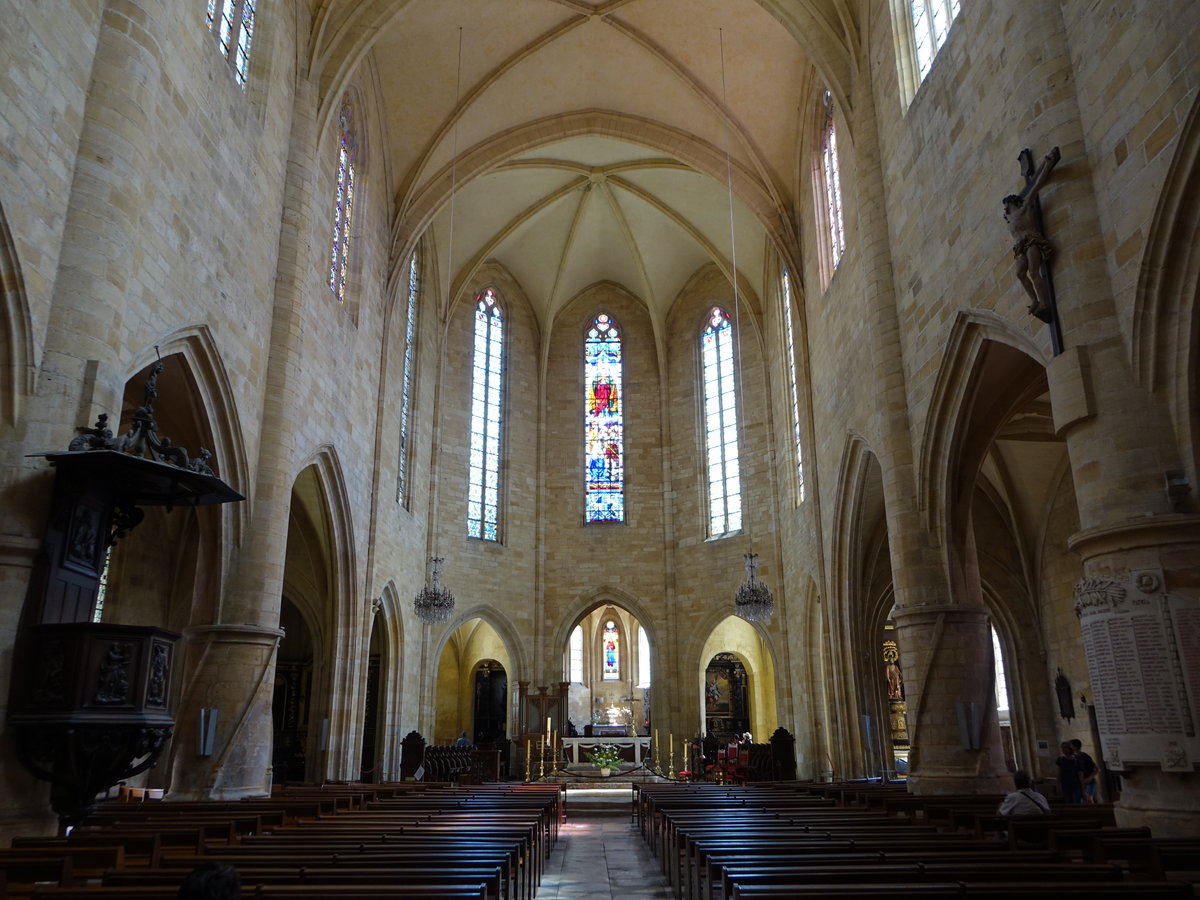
x=584 y=143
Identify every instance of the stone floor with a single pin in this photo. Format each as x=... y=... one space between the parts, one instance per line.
x=600 y=852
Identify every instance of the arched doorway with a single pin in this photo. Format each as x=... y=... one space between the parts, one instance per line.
x=606 y=664
x=373 y=707
x=726 y=697
x=292 y=702
x=490 y=712
x=473 y=656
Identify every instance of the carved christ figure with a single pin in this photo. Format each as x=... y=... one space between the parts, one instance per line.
x=1030 y=247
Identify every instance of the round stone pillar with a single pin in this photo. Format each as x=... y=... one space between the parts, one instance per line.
x=1139 y=609
x=950 y=685
x=229 y=669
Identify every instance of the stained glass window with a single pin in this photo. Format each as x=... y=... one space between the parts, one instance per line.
x=575 y=655
x=833 y=187
x=232 y=21
x=339 y=254
x=793 y=381
x=604 y=436
x=720 y=425
x=610 y=663
x=406 y=383
x=487 y=388
x=931 y=21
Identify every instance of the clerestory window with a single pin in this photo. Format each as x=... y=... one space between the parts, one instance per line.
x=487 y=394
x=406 y=381
x=831 y=181
x=789 y=332
x=343 y=210
x=721 y=424
x=232 y=22
x=931 y=21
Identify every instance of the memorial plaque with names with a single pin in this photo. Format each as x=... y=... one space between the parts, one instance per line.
x=1143 y=654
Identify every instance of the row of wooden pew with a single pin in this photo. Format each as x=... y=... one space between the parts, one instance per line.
x=488 y=842
x=804 y=840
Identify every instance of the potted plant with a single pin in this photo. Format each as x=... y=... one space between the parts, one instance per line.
x=605 y=757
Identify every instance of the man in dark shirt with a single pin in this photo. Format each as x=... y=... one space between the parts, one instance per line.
x=1087 y=772
x=1068 y=774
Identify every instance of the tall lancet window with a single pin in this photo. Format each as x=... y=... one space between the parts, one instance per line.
x=575 y=655
x=406 y=380
x=931 y=21
x=610 y=660
x=721 y=425
x=789 y=333
x=487 y=394
x=604 y=436
x=343 y=212
x=835 y=225
x=232 y=21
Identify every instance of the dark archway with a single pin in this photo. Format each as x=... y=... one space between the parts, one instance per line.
x=489 y=712
x=292 y=704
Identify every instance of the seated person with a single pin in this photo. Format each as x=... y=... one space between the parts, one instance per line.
x=1024 y=801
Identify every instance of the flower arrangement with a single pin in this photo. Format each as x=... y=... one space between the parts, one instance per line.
x=606 y=756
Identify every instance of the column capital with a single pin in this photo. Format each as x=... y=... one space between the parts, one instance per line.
x=1136 y=534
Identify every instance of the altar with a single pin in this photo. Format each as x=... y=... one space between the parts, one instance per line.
x=635 y=750
x=605 y=730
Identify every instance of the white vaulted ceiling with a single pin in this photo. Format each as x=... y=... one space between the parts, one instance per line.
x=591 y=142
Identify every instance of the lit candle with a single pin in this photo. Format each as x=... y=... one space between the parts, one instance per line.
x=547 y=724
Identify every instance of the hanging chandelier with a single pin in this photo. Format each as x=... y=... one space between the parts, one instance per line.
x=753 y=600
x=433 y=602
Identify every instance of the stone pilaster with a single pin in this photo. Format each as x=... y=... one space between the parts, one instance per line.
x=229 y=668
x=236 y=672
x=944 y=638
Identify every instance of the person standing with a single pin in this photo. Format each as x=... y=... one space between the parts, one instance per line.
x=1089 y=773
x=1069 y=781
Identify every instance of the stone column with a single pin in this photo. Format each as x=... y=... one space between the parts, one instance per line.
x=78 y=376
x=945 y=643
x=1144 y=544
x=236 y=657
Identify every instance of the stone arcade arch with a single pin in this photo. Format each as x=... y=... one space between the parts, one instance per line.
x=735 y=636
x=473 y=641
x=16 y=344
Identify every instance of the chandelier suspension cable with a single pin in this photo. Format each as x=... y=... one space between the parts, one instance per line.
x=753 y=600
x=454 y=170
x=433 y=602
x=737 y=311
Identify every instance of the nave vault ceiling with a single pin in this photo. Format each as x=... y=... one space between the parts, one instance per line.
x=587 y=142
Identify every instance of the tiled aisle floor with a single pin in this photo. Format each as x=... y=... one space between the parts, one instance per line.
x=600 y=855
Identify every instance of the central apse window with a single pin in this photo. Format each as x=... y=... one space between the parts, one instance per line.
x=603 y=426
x=487 y=390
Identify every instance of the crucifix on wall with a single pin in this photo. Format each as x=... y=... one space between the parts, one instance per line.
x=1031 y=249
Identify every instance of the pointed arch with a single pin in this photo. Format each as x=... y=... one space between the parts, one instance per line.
x=16 y=331
x=197 y=347
x=970 y=335
x=1166 y=314
x=513 y=640
x=859 y=538
x=321 y=483
x=389 y=619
